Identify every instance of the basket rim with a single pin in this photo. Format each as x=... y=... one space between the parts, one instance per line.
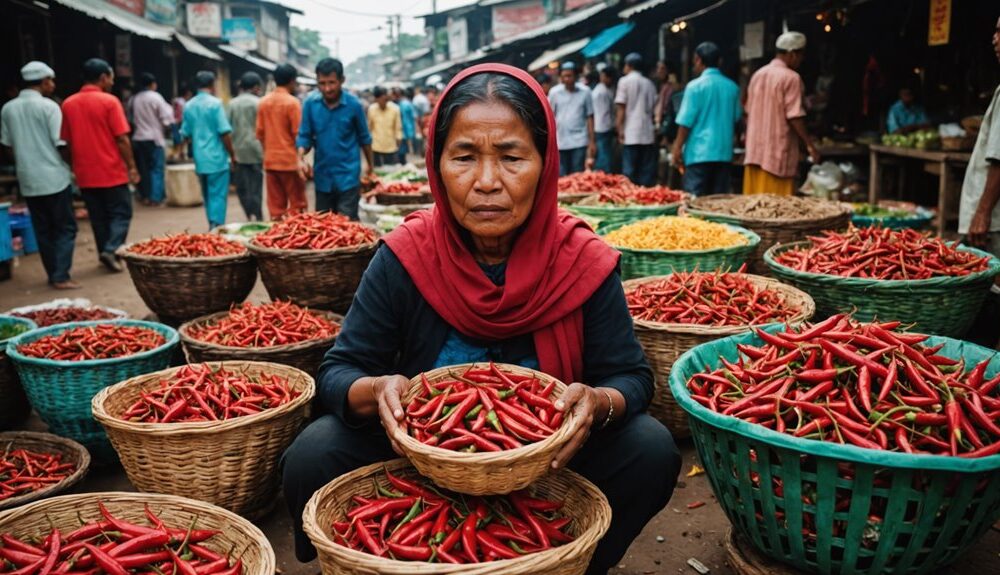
x=802 y=315
x=921 y=214
x=602 y=209
x=187 y=339
x=197 y=427
x=169 y=333
x=129 y=256
x=849 y=453
x=258 y=249
x=843 y=210
x=558 y=437
x=13 y=319
x=752 y=236
x=934 y=282
x=122 y=314
x=11 y=437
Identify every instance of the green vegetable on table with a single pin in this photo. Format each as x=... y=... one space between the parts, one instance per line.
x=881 y=212
x=10 y=330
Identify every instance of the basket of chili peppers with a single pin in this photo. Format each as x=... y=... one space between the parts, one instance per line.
x=14 y=407
x=385 y=518
x=616 y=206
x=65 y=310
x=213 y=431
x=845 y=447
x=890 y=274
x=392 y=193
x=483 y=428
x=576 y=187
x=315 y=259
x=115 y=533
x=276 y=332
x=34 y=465
x=184 y=276
x=63 y=366
x=677 y=312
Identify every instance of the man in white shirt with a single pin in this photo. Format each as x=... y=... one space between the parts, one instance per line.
x=151 y=115
x=31 y=124
x=635 y=99
x=603 y=96
x=574 y=112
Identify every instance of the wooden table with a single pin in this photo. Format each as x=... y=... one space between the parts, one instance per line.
x=945 y=161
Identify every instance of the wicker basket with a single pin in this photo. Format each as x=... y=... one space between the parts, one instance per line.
x=325 y=279
x=14 y=408
x=942 y=305
x=387 y=199
x=584 y=503
x=612 y=215
x=306 y=355
x=773 y=231
x=572 y=199
x=71 y=451
x=484 y=473
x=179 y=289
x=238 y=537
x=663 y=343
x=232 y=463
x=67 y=302
x=60 y=391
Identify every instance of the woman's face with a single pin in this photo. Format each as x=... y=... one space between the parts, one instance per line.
x=490 y=169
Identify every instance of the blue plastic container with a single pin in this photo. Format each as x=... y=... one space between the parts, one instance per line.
x=6 y=241
x=20 y=226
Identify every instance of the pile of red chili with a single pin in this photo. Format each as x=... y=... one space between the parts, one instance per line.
x=704 y=298
x=405 y=188
x=882 y=253
x=636 y=195
x=315 y=231
x=864 y=384
x=197 y=392
x=57 y=315
x=414 y=521
x=23 y=471
x=482 y=409
x=101 y=341
x=265 y=325
x=188 y=246
x=589 y=182
x=113 y=546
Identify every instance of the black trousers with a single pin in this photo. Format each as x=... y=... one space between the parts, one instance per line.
x=54 y=222
x=635 y=465
x=110 y=212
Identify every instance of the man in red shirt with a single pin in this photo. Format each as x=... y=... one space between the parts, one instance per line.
x=96 y=133
x=278 y=119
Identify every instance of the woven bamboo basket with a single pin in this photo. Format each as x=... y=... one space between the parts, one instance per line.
x=306 y=356
x=71 y=451
x=484 y=473
x=772 y=231
x=388 y=199
x=179 y=289
x=239 y=538
x=325 y=279
x=584 y=503
x=232 y=463
x=571 y=199
x=614 y=215
x=15 y=407
x=663 y=343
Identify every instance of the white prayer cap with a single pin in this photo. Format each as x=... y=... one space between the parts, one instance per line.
x=34 y=71
x=790 y=41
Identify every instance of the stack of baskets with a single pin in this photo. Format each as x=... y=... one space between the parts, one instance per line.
x=71 y=452
x=14 y=407
x=231 y=463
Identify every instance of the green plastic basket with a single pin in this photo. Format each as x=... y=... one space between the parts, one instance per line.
x=61 y=391
x=611 y=215
x=944 y=306
x=919 y=220
x=935 y=507
x=14 y=406
x=646 y=263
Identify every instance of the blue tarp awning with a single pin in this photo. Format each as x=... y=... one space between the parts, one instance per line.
x=606 y=39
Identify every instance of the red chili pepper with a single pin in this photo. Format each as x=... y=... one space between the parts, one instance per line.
x=188 y=246
x=65 y=314
x=101 y=341
x=315 y=231
x=265 y=325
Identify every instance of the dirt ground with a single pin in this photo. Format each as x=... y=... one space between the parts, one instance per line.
x=674 y=536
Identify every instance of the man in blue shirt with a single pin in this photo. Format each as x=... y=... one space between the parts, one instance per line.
x=408 y=114
x=703 y=149
x=206 y=125
x=906 y=115
x=334 y=122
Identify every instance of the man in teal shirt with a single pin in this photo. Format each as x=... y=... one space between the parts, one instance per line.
x=703 y=149
x=206 y=126
x=906 y=115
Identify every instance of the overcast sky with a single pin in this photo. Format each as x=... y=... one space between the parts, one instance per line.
x=353 y=21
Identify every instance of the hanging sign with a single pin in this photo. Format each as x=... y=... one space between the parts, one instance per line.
x=939 y=28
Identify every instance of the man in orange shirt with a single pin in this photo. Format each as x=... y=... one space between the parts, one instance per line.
x=278 y=120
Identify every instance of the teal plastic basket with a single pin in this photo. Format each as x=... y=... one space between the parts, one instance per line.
x=932 y=507
x=920 y=219
x=61 y=391
x=14 y=406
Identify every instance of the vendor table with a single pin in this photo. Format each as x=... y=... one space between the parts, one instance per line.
x=945 y=161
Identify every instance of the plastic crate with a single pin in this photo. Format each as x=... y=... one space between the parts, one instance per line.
x=20 y=226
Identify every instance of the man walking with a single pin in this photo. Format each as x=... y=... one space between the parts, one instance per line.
x=151 y=115
x=334 y=123
x=386 y=128
x=574 y=112
x=408 y=115
x=249 y=175
x=96 y=132
x=30 y=128
x=776 y=121
x=603 y=97
x=277 y=126
x=703 y=149
x=209 y=132
x=635 y=98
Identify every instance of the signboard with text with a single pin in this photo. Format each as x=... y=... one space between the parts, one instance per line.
x=204 y=20
x=512 y=19
x=458 y=38
x=162 y=11
x=137 y=7
x=939 y=28
x=572 y=5
x=240 y=32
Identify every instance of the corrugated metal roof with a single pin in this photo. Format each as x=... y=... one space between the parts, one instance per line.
x=195 y=47
x=558 y=53
x=262 y=63
x=629 y=12
x=551 y=27
x=120 y=18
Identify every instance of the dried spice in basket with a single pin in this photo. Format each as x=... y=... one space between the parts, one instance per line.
x=315 y=231
x=102 y=341
x=200 y=392
x=188 y=246
x=768 y=207
x=675 y=233
x=402 y=188
x=482 y=409
x=412 y=520
x=265 y=325
x=589 y=182
x=635 y=195
x=23 y=471
x=862 y=384
x=56 y=315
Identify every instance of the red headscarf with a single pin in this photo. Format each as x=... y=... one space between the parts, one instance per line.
x=556 y=264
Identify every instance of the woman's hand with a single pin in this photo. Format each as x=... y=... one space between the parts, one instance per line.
x=388 y=391
x=585 y=402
